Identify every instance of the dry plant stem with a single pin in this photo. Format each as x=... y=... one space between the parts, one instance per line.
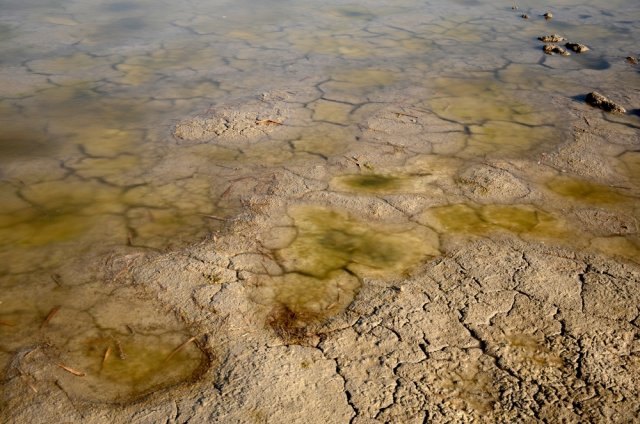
x=268 y=122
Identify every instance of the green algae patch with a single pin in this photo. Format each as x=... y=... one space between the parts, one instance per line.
x=585 y=191
x=370 y=183
x=483 y=219
x=329 y=240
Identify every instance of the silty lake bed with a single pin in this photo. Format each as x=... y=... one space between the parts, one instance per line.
x=340 y=212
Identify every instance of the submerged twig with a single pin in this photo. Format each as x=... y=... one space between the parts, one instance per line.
x=26 y=377
x=57 y=279
x=217 y=218
x=50 y=316
x=121 y=353
x=179 y=348
x=399 y=114
x=72 y=371
x=107 y=352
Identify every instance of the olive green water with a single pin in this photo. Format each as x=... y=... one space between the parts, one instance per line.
x=90 y=92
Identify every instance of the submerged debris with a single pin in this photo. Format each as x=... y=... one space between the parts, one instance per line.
x=577 y=47
x=72 y=371
x=50 y=316
x=553 y=49
x=553 y=38
x=178 y=349
x=524 y=16
x=596 y=99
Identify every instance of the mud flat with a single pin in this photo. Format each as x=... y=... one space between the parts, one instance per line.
x=395 y=284
x=362 y=237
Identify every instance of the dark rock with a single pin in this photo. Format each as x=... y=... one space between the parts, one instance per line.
x=632 y=60
x=596 y=99
x=577 y=47
x=553 y=49
x=553 y=38
x=524 y=16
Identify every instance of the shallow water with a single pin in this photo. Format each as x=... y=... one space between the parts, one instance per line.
x=90 y=92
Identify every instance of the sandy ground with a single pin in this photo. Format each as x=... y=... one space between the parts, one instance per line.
x=388 y=284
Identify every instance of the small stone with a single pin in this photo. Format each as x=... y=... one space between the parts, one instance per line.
x=548 y=15
x=524 y=16
x=553 y=49
x=632 y=60
x=553 y=38
x=577 y=47
x=596 y=99
x=514 y=7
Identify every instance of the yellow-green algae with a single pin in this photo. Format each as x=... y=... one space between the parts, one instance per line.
x=483 y=219
x=585 y=191
x=330 y=240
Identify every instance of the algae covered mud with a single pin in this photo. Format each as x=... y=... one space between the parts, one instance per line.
x=205 y=203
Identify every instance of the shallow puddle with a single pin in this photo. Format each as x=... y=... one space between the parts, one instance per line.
x=326 y=259
x=498 y=121
x=586 y=191
x=108 y=345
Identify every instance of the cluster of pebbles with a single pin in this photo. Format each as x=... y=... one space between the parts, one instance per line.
x=551 y=48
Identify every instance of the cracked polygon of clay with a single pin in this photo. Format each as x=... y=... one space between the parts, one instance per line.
x=246 y=123
x=490 y=184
